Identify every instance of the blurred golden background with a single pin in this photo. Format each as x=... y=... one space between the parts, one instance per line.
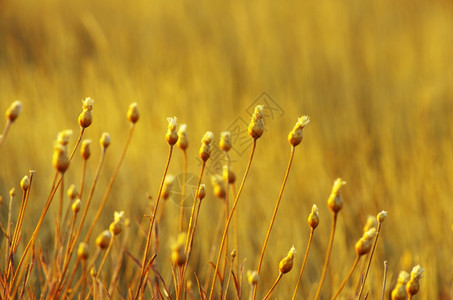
x=374 y=76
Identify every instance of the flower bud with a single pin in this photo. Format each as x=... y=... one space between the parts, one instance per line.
x=183 y=141
x=72 y=192
x=103 y=240
x=225 y=141
x=256 y=126
x=286 y=264
x=335 y=202
x=83 y=251
x=205 y=150
x=252 y=277
x=76 y=206
x=85 y=149
x=295 y=136
x=172 y=136
x=60 y=158
x=313 y=218
x=105 y=140
x=13 y=111
x=201 y=191
x=132 y=113
x=25 y=183
x=381 y=216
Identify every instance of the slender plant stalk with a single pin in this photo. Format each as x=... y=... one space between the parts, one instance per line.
x=82 y=180
x=5 y=132
x=304 y=262
x=190 y=232
x=183 y=191
x=384 y=280
x=59 y=214
x=107 y=251
x=273 y=217
x=329 y=250
x=369 y=260
x=110 y=185
x=229 y=220
x=235 y=231
x=79 y=229
x=354 y=265
x=273 y=286
x=150 y=230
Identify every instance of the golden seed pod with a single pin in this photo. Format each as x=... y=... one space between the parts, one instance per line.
x=371 y=222
x=234 y=253
x=205 y=149
x=25 y=183
x=116 y=227
x=166 y=189
x=313 y=218
x=252 y=277
x=413 y=285
x=225 y=141
x=286 y=264
x=83 y=251
x=172 y=136
x=103 y=240
x=85 y=118
x=72 y=192
x=119 y=216
x=85 y=149
x=228 y=175
x=399 y=292
x=105 y=140
x=381 y=216
x=178 y=254
x=219 y=186
x=296 y=135
x=13 y=111
x=12 y=192
x=201 y=191
x=93 y=272
x=183 y=140
x=64 y=137
x=76 y=206
x=60 y=158
x=363 y=245
x=335 y=202
x=133 y=114
x=256 y=126
x=189 y=285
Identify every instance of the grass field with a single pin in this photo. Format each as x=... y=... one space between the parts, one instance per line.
x=374 y=77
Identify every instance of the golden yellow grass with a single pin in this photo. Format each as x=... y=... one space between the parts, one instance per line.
x=375 y=78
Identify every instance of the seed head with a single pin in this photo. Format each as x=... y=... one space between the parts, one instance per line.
x=225 y=141
x=363 y=246
x=286 y=264
x=252 y=277
x=13 y=111
x=116 y=227
x=93 y=272
x=201 y=191
x=83 y=251
x=178 y=254
x=205 y=149
x=118 y=216
x=166 y=189
x=76 y=206
x=12 y=192
x=381 y=216
x=25 y=183
x=335 y=202
x=60 y=158
x=133 y=114
x=219 y=186
x=296 y=135
x=103 y=240
x=413 y=285
x=72 y=192
x=228 y=174
x=86 y=118
x=183 y=141
x=172 y=136
x=399 y=292
x=371 y=222
x=256 y=126
x=105 y=140
x=85 y=149
x=313 y=218
x=64 y=136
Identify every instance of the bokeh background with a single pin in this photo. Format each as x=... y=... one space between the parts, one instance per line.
x=374 y=76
